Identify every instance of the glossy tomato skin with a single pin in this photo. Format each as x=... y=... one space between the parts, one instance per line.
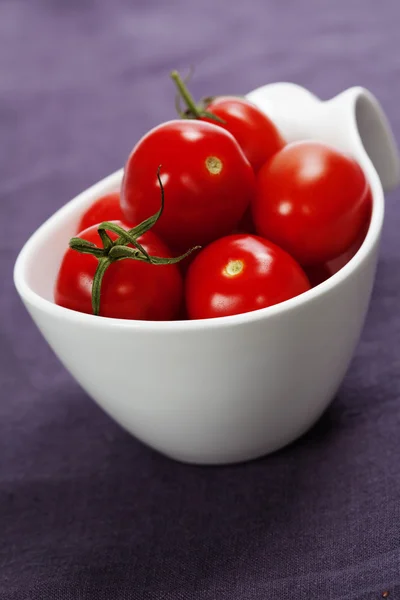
x=257 y=135
x=130 y=289
x=208 y=182
x=312 y=201
x=319 y=273
x=106 y=208
x=241 y=273
x=339 y=262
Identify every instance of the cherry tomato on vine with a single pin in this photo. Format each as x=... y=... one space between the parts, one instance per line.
x=130 y=289
x=207 y=179
x=256 y=134
x=106 y=208
x=241 y=273
x=312 y=201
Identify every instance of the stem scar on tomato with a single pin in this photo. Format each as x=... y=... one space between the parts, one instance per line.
x=121 y=249
x=234 y=267
x=214 y=165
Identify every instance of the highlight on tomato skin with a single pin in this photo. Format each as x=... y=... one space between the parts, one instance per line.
x=241 y=273
x=130 y=289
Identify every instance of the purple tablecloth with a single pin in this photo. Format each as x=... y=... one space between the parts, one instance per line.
x=85 y=510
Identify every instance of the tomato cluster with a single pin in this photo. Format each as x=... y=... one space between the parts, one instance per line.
x=239 y=219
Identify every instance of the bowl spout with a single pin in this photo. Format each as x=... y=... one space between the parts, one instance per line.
x=367 y=126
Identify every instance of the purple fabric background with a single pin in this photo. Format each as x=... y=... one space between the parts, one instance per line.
x=85 y=510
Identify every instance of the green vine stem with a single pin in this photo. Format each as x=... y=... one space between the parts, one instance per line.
x=193 y=111
x=121 y=249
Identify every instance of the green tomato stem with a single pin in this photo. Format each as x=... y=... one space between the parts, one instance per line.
x=102 y=267
x=120 y=249
x=185 y=94
x=105 y=238
x=194 y=111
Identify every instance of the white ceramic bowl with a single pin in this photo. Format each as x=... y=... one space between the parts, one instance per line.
x=234 y=388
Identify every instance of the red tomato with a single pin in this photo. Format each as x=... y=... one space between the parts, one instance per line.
x=106 y=208
x=319 y=273
x=241 y=273
x=207 y=179
x=130 y=289
x=337 y=263
x=256 y=133
x=312 y=201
